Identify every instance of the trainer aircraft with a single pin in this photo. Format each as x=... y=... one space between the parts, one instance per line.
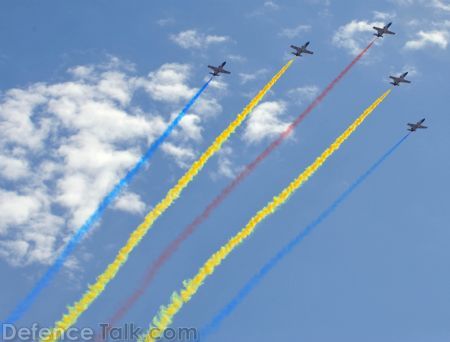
x=399 y=79
x=414 y=127
x=383 y=30
x=301 y=49
x=218 y=69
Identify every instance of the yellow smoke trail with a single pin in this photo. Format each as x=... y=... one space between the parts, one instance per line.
x=166 y=313
x=95 y=290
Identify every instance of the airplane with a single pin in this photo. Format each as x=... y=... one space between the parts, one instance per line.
x=218 y=70
x=382 y=31
x=302 y=49
x=400 y=79
x=414 y=127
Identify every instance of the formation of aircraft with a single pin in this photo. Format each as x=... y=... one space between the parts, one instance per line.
x=416 y=126
x=218 y=69
x=382 y=30
x=301 y=49
x=400 y=79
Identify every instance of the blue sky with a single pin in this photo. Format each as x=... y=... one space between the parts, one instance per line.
x=86 y=86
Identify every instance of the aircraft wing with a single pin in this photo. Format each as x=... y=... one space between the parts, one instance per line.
x=389 y=32
x=294 y=47
x=422 y=126
x=411 y=125
x=394 y=78
x=307 y=51
x=405 y=81
x=377 y=28
x=212 y=67
x=225 y=71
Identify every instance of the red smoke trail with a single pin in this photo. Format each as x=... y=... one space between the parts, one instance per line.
x=175 y=244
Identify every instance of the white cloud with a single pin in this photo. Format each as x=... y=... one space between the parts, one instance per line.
x=131 y=203
x=212 y=39
x=440 y=4
x=182 y=154
x=193 y=39
x=304 y=93
x=247 y=77
x=168 y=83
x=207 y=106
x=191 y=127
x=16 y=120
x=383 y=16
x=14 y=250
x=12 y=168
x=268 y=6
x=16 y=209
x=271 y=5
x=226 y=167
x=237 y=58
x=82 y=71
x=64 y=145
x=295 y=31
x=426 y=33
x=265 y=122
x=218 y=83
x=91 y=167
x=425 y=39
x=320 y=2
x=115 y=86
x=165 y=21
x=354 y=36
x=403 y=2
x=411 y=69
x=437 y=4
x=22 y=243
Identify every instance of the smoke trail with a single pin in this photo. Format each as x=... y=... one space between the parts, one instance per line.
x=95 y=290
x=214 y=324
x=84 y=229
x=189 y=230
x=166 y=313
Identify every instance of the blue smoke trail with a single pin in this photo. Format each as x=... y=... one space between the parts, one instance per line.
x=258 y=277
x=23 y=306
